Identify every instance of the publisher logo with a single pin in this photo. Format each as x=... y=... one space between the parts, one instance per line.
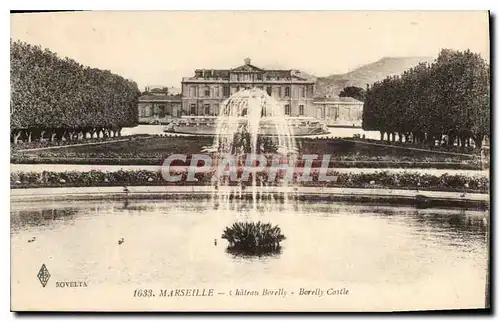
x=43 y=275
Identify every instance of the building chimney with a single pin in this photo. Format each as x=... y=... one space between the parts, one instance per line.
x=247 y=61
x=367 y=87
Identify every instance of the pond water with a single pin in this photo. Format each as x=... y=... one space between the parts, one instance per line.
x=388 y=257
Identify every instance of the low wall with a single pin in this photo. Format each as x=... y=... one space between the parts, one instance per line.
x=375 y=196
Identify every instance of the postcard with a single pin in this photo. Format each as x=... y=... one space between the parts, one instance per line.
x=288 y=161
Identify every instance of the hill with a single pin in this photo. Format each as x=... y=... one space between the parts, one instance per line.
x=366 y=74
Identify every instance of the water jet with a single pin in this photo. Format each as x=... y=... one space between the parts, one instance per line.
x=251 y=123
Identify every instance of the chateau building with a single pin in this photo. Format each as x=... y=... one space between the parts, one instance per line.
x=339 y=111
x=203 y=92
x=159 y=107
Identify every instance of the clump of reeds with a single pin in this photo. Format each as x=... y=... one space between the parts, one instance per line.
x=253 y=238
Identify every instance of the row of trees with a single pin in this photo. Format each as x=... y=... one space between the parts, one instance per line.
x=447 y=102
x=54 y=98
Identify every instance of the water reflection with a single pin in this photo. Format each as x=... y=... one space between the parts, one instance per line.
x=21 y=219
x=461 y=224
x=172 y=242
x=248 y=255
x=136 y=208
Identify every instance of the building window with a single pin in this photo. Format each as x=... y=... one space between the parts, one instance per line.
x=216 y=109
x=192 y=91
x=169 y=110
x=161 y=111
x=301 y=110
x=279 y=91
x=156 y=110
x=302 y=92
x=319 y=113
x=269 y=90
x=259 y=77
x=287 y=109
x=207 y=109
x=207 y=91
x=226 y=91
x=287 y=91
x=193 y=109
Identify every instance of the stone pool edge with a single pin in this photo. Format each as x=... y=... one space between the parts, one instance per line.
x=364 y=195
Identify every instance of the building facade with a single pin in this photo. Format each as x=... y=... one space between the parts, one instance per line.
x=159 y=108
x=203 y=93
x=339 y=111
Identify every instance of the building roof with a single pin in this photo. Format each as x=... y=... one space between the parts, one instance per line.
x=336 y=99
x=171 y=90
x=213 y=73
x=247 y=68
x=269 y=74
x=158 y=90
x=160 y=98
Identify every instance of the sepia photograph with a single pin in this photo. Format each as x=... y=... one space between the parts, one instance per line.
x=250 y=161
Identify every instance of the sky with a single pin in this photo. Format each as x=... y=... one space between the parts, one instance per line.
x=161 y=47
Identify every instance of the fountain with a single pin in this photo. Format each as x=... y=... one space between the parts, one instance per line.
x=251 y=124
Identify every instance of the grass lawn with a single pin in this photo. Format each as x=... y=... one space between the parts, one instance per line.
x=153 y=149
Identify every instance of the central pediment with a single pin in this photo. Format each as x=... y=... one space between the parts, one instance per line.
x=247 y=68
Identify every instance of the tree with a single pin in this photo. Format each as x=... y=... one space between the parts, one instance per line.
x=60 y=98
x=354 y=92
x=448 y=100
